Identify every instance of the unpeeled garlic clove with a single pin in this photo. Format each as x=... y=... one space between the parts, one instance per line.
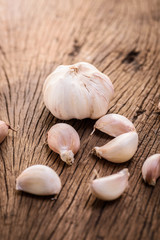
x=120 y=149
x=39 y=180
x=110 y=187
x=4 y=127
x=114 y=125
x=151 y=169
x=3 y=131
x=64 y=140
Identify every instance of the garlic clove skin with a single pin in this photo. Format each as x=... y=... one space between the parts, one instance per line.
x=64 y=140
x=39 y=180
x=151 y=169
x=77 y=91
x=3 y=131
x=114 y=125
x=110 y=187
x=120 y=149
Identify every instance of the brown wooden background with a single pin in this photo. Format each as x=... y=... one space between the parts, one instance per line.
x=119 y=37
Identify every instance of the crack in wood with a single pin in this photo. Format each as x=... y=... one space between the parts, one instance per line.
x=76 y=48
x=131 y=56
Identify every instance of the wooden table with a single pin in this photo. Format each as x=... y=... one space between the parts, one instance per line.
x=121 y=39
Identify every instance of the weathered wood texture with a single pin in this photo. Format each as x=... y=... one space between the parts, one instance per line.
x=120 y=37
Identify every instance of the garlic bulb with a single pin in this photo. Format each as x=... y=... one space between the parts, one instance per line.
x=110 y=187
x=114 y=125
x=64 y=140
x=151 y=169
x=39 y=180
x=77 y=91
x=120 y=149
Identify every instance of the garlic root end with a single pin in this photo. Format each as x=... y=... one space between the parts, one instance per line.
x=153 y=182
x=95 y=151
x=67 y=156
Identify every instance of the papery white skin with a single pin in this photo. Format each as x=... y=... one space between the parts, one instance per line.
x=3 y=130
x=120 y=149
x=151 y=169
x=39 y=180
x=114 y=125
x=110 y=187
x=64 y=140
x=77 y=91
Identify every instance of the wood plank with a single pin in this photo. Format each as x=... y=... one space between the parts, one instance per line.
x=121 y=38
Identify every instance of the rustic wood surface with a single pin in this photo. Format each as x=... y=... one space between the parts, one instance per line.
x=120 y=38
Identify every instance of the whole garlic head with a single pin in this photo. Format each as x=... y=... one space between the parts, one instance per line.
x=77 y=91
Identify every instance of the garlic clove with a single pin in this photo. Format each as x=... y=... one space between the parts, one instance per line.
x=3 y=131
x=114 y=125
x=151 y=169
x=64 y=140
x=77 y=91
x=110 y=187
x=4 y=127
x=120 y=149
x=39 y=180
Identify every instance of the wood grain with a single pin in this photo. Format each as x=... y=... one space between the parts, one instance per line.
x=121 y=38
